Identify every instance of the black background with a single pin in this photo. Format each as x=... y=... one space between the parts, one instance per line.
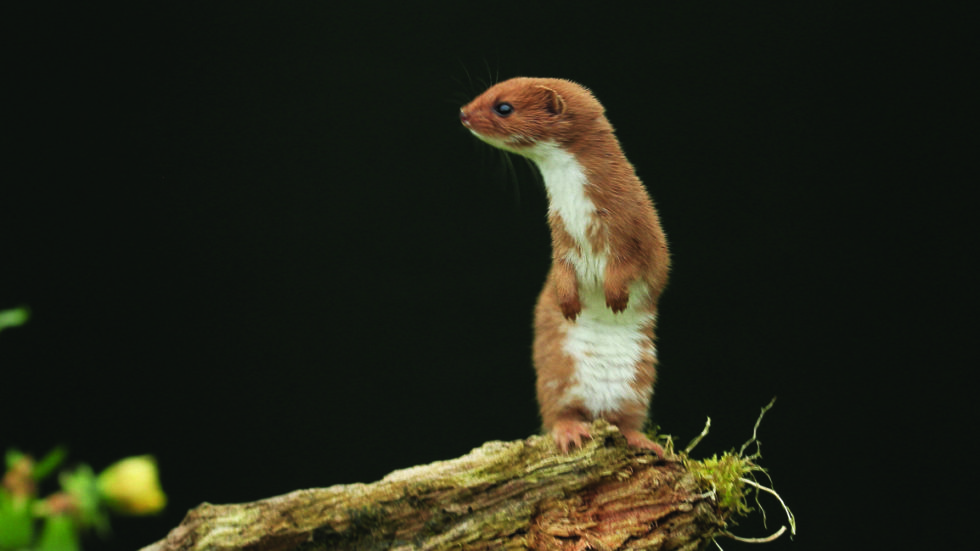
x=258 y=244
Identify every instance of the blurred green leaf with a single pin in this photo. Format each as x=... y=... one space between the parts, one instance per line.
x=12 y=456
x=58 y=534
x=49 y=462
x=13 y=318
x=81 y=484
x=16 y=524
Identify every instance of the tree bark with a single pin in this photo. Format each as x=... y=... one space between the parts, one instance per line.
x=502 y=495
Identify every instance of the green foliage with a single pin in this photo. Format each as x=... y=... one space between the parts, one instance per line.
x=49 y=463
x=130 y=486
x=82 y=503
x=59 y=534
x=89 y=509
x=16 y=522
x=13 y=318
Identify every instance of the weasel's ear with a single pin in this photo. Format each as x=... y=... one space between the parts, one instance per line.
x=554 y=103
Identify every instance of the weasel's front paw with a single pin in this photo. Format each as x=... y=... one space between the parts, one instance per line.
x=617 y=300
x=570 y=307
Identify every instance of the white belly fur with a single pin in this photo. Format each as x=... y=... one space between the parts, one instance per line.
x=606 y=348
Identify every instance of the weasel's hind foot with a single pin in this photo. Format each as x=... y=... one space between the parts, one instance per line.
x=569 y=434
x=637 y=439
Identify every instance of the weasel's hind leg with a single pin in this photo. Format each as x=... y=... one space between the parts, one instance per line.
x=568 y=434
x=637 y=439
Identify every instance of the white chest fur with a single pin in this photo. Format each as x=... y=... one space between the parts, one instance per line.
x=566 y=181
x=605 y=347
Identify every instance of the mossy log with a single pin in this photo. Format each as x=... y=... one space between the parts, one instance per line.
x=502 y=495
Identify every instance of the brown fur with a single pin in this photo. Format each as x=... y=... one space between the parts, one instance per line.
x=625 y=224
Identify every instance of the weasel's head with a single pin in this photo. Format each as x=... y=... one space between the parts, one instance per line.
x=521 y=113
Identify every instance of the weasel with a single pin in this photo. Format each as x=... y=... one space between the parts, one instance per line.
x=594 y=351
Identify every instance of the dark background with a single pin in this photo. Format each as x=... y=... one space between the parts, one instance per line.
x=258 y=244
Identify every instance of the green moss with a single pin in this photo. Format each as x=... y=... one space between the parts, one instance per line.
x=731 y=479
x=723 y=476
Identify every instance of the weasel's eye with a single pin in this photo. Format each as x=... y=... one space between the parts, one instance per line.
x=503 y=109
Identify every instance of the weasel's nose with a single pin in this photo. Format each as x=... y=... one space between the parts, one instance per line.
x=464 y=118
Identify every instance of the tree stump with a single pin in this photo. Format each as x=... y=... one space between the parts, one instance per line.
x=502 y=495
